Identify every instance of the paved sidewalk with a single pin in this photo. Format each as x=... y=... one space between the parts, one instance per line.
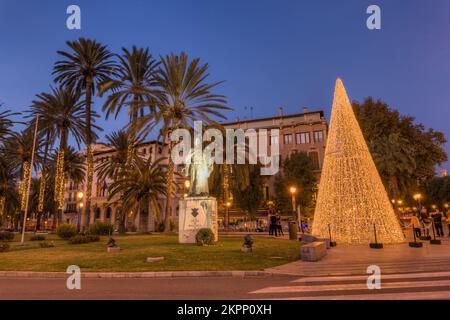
x=354 y=260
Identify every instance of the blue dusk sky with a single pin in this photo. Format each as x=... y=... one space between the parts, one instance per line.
x=269 y=53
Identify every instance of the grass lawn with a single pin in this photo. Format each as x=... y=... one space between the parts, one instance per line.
x=225 y=255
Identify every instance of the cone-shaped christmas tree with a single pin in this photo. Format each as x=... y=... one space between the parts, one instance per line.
x=352 y=198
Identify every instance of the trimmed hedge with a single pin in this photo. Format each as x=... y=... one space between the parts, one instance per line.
x=84 y=238
x=66 y=231
x=101 y=228
x=204 y=236
x=37 y=237
x=6 y=236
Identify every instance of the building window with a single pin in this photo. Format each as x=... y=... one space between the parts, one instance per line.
x=318 y=136
x=314 y=156
x=287 y=138
x=302 y=138
x=144 y=151
x=97 y=213
x=108 y=213
x=273 y=140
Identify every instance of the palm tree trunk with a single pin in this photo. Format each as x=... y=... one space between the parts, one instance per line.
x=89 y=156
x=59 y=193
x=226 y=196
x=41 y=199
x=170 y=175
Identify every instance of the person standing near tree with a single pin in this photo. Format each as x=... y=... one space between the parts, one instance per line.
x=273 y=225
x=437 y=220
x=278 y=226
x=416 y=225
x=425 y=218
x=448 y=221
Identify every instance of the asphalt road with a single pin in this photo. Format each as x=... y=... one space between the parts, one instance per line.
x=396 y=286
x=202 y=288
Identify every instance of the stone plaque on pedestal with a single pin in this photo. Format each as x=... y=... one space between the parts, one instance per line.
x=196 y=213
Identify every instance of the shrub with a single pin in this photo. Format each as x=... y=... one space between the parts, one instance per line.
x=4 y=246
x=66 y=231
x=37 y=237
x=160 y=226
x=101 y=228
x=79 y=239
x=45 y=244
x=6 y=236
x=204 y=236
x=84 y=238
x=93 y=238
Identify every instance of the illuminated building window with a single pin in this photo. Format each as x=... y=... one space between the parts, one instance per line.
x=287 y=138
x=302 y=138
x=318 y=136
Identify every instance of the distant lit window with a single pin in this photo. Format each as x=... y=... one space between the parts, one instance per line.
x=287 y=138
x=303 y=138
x=318 y=136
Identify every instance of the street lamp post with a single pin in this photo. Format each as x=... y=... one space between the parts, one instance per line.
x=293 y=191
x=418 y=197
x=227 y=215
x=80 y=196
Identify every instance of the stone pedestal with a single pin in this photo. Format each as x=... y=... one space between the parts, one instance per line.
x=197 y=213
x=113 y=249
x=313 y=251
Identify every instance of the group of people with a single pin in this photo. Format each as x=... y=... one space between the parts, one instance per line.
x=425 y=221
x=275 y=228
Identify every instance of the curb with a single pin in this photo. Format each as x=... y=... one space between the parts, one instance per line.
x=165 y=274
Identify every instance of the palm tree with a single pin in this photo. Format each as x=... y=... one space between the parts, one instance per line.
x=6 y=124
x=18 y=152
x=140 y=186
x=185 y=97
x=115 y=164
x=73 y=169
x=9 y=198
x=64 y=112
x=89 y=64
x=134 y=85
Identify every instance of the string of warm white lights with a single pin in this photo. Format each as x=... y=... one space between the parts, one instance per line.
x=352 y=199
x=2 y=205
x=41 y=192
x=23 y=186
x=90 y=172
x=59 y=180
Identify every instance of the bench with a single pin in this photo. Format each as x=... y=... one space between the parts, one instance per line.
x=313 y=251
